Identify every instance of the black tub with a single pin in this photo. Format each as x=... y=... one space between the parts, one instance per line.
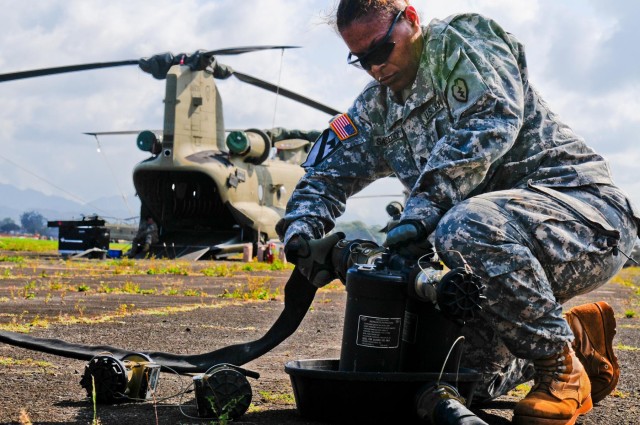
x=326 y=393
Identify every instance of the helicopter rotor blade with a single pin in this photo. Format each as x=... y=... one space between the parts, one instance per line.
x=88 y=66
x=245 y=78
x=247 y=49
x=63 y=69
x=231 y=51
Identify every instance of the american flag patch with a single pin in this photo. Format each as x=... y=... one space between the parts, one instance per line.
x=343 y=127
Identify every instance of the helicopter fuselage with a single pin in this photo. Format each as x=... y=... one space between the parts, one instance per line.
x=201 y=194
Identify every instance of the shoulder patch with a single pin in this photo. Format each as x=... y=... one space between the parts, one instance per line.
x=343 y=127
x=324 y=146
x=459 y=90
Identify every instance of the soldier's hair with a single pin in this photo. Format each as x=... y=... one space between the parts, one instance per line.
x=348 y=11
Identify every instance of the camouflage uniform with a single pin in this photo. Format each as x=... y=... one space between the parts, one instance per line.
x=146 y=236
x=496 y=176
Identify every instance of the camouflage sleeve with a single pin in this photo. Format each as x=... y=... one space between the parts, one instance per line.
x=477 y=74
x=336 y=169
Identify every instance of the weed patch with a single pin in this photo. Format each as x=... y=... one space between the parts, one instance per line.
x=178 y=269
x=104 y=288
x=520 y=391
x=11 y=259
x=258 y=266
x=626 y=326
x=619 y=394
x=56 y=285
x=277 y=398
x=9 y=361
x=256 y=288
x=335 y=285
x=170 y=291
x=29 y=290
x=189 y=292
x=221 y=270
x=623 y=347
x=17 y=324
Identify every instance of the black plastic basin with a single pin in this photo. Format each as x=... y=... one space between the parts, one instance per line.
x=326 y=393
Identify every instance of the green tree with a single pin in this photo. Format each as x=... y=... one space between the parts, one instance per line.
x=8 y=225
x=33 y=222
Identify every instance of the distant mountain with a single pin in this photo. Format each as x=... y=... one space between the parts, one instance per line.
x=14 y=202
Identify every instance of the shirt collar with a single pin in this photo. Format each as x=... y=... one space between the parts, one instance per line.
x=420 y=93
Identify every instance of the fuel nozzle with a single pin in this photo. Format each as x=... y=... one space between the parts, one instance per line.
x=346 y=253
x=441 y=404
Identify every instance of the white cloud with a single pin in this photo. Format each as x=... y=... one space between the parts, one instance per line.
x=581 y=57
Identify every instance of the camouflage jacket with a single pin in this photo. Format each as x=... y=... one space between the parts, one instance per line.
x=471 y=124
x=147 y=233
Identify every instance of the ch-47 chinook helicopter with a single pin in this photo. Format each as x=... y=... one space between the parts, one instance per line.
x=209 y=190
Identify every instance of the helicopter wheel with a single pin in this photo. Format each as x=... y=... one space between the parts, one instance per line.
x=257 y=240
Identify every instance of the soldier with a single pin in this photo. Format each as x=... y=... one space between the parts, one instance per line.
x=146 y=236
x=493 y=175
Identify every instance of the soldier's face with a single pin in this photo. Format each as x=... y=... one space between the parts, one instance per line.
x=369 y=36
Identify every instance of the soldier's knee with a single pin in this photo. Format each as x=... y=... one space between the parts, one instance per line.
x=452 y=231
x=471 y=229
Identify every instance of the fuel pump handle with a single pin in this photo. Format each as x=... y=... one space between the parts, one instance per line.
x=313 y=257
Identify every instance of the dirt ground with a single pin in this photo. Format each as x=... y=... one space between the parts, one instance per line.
x=70 y=300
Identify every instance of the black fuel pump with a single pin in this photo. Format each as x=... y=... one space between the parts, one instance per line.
x=402 y=326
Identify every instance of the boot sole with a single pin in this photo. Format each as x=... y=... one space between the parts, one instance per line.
x=609 y=320
x=585 y=407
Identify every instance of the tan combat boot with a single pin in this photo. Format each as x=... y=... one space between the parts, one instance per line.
x=594 y=326
x=561 y=393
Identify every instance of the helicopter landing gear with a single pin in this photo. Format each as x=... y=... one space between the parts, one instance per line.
x=259 y=239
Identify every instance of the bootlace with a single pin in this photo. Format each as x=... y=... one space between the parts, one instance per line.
x=551 y=369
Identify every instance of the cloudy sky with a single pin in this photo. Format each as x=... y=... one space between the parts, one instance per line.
x=582 y=57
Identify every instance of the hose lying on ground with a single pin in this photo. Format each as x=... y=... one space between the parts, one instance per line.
x=298 y=296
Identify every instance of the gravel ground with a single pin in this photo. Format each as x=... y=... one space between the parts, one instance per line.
x=46 y=388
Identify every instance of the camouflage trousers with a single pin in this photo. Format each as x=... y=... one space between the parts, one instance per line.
x=534 y=251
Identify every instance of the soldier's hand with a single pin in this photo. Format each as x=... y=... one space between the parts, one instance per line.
x=409 y=239
x=313 y=257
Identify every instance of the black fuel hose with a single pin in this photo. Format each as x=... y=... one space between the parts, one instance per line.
x=452 y=412
x=441 y=404
x=298 y=296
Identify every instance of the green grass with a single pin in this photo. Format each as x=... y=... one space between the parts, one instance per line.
x=9 y=361
x=629 y=277
x=29 y=290
x=277 y=398
x=256 y=288
x=180 y=268
x=623 y=347
x=193 y=293
x=620 y=394
x=276 y=265
x=24 y=244
x=11 y=259
x=220 y=270
x=39 y=245
x=520 y=391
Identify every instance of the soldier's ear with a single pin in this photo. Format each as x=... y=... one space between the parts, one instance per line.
x=412 y=16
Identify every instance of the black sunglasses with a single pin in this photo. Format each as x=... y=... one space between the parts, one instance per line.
x=379 y=53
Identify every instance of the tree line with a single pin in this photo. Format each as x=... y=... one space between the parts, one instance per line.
x=30 y=222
